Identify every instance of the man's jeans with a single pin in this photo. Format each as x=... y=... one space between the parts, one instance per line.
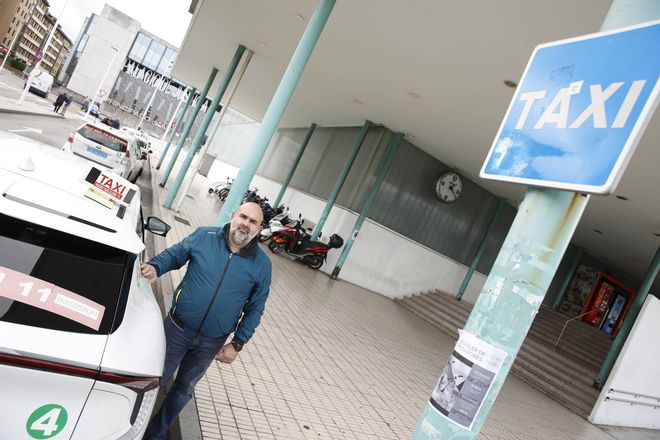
x=192 y=355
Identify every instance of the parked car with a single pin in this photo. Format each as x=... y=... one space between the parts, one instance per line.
x=106 y=146
x=144 y=146
x=95 y=111
x=142 y=140
x=42 y=82
x=81 y=336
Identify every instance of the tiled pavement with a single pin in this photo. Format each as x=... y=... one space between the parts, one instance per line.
x=334 y=361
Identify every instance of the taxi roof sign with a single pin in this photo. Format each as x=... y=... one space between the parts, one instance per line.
x=107 y=185
x=579 y=111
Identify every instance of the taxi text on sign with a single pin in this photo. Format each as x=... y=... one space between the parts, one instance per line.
x=579 y=111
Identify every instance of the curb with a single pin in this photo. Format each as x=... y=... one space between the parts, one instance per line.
x=187 y=426
x=26 y=112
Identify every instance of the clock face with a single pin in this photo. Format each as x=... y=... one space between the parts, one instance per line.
x=449 y=187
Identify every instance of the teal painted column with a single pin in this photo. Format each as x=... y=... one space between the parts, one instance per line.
x=561 y=293
x=178 y=124
x=384 y=169
x=342 y=178
x=308 y=136
x=276 y=109
x=522 y=273
x=199 y=137
x=186 y=129
x=480 y=250
x=513 y=292
x=628 y=321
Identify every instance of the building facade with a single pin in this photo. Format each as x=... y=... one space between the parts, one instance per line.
x=28 y=24
x=134 y=63
x=58 y=49
x=99 y=52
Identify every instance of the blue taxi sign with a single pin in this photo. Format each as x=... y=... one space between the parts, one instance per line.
x=579 y=111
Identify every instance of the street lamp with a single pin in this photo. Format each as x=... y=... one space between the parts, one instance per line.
x=98 y=89
x=28 y=83
x=157 y=86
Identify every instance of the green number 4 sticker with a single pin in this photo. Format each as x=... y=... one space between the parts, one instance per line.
x=47 y=421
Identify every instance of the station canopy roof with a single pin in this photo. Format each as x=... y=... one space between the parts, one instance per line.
x=434 y=70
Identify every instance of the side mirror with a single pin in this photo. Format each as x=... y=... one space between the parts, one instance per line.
x=157 y=226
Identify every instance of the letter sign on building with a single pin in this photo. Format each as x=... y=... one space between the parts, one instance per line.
x=579 y=111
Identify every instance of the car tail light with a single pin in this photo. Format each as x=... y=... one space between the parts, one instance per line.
x=47 y=365
x=141 y=411
x=145 y=387
x=135 y=383
x=126 y=158
x=147 y=391
x=70 y=138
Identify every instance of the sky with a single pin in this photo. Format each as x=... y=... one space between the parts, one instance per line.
x=167 y=19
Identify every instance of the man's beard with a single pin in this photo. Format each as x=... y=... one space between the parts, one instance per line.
x=240 y=238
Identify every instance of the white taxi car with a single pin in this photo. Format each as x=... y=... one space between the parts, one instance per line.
x=81 y=336
x=104 y=145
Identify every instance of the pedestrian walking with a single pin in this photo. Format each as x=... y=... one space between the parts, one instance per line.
x=67 y=102
x=224 y=291
x=59 y=101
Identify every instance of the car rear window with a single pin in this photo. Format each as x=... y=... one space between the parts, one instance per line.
x=98 y=273
x=104 y=138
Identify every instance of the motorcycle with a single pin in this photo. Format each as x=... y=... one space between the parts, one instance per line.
x=295 y=241
x=252 y=196
x=276 y=224
x=221 y=189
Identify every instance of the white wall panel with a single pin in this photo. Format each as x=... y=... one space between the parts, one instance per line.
x=380 y=259
x=634 y=376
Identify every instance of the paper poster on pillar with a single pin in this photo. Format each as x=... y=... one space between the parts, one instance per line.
x=466 y=379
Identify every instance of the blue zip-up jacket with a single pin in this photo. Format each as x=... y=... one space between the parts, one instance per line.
x=219 y=286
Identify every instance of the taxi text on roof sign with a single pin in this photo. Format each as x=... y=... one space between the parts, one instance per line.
x=120 y=190
x=579 y=111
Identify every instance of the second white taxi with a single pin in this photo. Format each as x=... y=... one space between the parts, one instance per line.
x=117 y=150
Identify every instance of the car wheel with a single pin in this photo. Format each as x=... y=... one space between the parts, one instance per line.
x=276 y=247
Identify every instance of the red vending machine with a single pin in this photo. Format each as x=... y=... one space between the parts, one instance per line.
x=607 y=304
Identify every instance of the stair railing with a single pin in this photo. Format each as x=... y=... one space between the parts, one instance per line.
x=654 y=400
x=601 y=308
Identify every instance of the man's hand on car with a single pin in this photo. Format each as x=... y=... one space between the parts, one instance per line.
x=149 y=272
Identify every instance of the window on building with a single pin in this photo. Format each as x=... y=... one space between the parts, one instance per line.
x=168 y=58
x=154 y=55
x=139 y=48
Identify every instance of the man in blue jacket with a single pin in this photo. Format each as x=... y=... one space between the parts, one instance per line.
x=224 y=291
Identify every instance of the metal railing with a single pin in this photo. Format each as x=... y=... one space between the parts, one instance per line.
x=655 y=405
x=572 y=319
